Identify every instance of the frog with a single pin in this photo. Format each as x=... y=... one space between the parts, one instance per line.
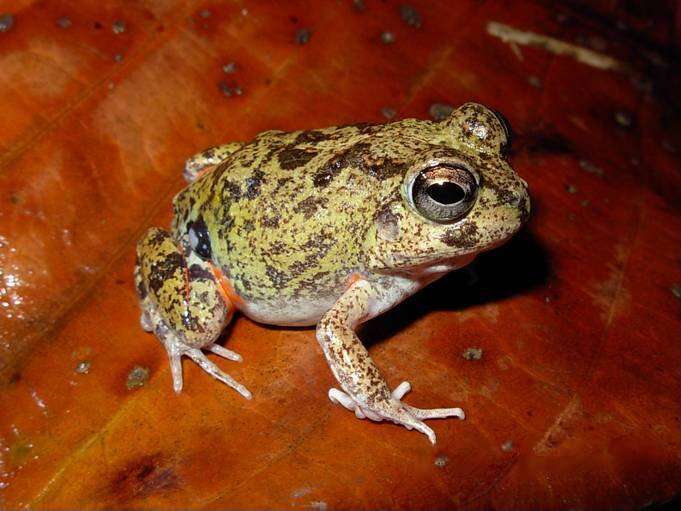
x=330 y=228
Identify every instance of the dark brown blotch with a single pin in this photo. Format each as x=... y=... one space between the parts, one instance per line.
x=309 y=206
x=277 y=277
x=312 y=137
x=353 y=156
x=292 y=158
x=466 y=236
x=270 y=222
x=231 y=191
x=165 y=270
x=385 y=168
x=253 y=184
x=197 y=272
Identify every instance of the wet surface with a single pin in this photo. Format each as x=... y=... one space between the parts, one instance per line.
x=573 y=402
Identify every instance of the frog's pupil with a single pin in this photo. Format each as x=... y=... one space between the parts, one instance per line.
x=199 y=239
x=446 y=193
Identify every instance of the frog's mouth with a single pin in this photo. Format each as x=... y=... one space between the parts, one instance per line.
x=400 y=263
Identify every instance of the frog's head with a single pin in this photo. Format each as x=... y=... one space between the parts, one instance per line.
x=457 y=198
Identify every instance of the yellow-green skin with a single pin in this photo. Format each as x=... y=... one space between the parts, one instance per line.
x=292 y=220
x=291 y=216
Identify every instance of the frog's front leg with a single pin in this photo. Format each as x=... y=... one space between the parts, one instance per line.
x=183 y=305
x=195 y=166
x=364 y=390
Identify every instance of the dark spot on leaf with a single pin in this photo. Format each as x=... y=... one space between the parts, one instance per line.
x=6 y=22
x=440 y=111
x=143 y=477
x=303 y=35
x=137 y=377
x=410 y=15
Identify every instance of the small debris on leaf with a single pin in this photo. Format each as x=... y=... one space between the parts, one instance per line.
x=64 y=22
x=6 y=22
x=229 y=68
x=137 y=377
x=441 y=461
x=118 y=57
x=387 y=37
x=676 y=290
x=667 y=145
x=388 y=112
x=205 y=13
x=83 y=367
x=472 y=353
x=410 y=15
x=589 y=167
x=359 y=5
x=230 y=91
x=118 y=26
x=507 y=446
x=535 y=82
x=303 y=35
x=440 y=111
x=571 y=189
x=624 y=119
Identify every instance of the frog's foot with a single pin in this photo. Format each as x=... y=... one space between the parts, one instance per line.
x=396 y=411
x=195 y=166
x=176 y=349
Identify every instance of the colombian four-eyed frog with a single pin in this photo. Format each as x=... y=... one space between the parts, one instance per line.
x=330 y=227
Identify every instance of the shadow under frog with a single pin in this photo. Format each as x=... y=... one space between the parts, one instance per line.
x=485 y=280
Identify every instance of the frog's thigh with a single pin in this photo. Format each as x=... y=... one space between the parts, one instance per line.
x=186 y=296
x=182 y=304
x=365 y=390
x=200 y=162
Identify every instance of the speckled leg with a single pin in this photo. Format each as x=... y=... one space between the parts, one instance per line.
x=200 y=162
x=182 y=304
x=364 y=390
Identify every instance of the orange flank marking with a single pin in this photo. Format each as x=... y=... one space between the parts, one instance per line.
x=352 y=279
x=226 y=288
x=203 y=172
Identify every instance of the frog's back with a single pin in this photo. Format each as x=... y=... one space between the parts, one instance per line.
x=287 y=214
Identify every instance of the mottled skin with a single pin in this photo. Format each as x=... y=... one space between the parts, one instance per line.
x=322 y=227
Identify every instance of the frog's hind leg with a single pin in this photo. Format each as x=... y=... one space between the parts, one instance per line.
x=183 y=304
x=195 y=166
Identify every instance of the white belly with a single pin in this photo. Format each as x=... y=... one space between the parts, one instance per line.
x=389 y=290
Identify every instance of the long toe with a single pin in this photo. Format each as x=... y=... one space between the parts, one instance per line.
x=225 y=353
x=436 y=413
x=197 y=356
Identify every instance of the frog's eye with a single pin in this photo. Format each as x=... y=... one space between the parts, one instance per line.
x=444 y=194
